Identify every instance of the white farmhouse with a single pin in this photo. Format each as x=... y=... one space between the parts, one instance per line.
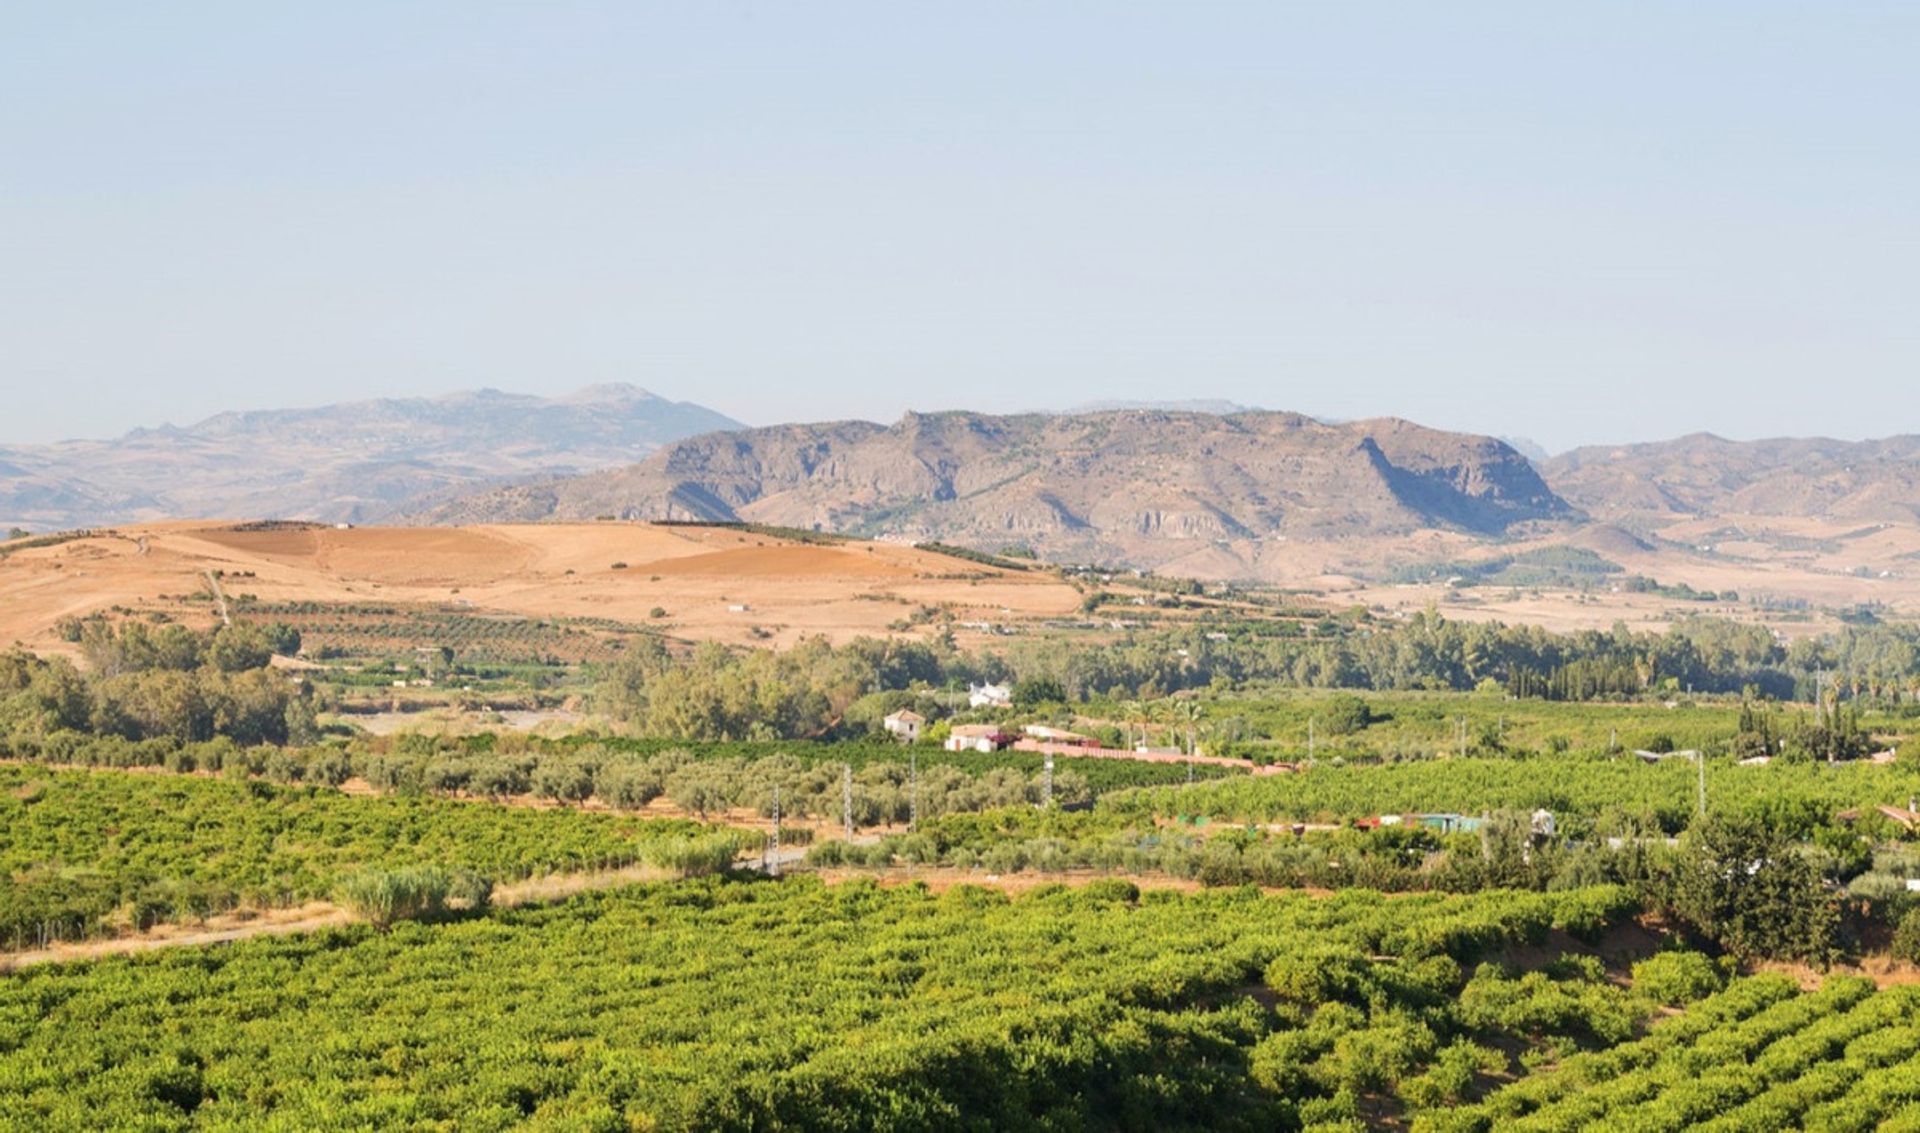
x=989 y=696
x=905 y=724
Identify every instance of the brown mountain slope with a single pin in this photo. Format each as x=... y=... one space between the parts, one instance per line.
x=1142 y=487
x=1707 y=475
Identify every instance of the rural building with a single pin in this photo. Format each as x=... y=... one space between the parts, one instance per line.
x=1059 y=736
x=989 y=696
x=906 y=724
x=977 y=737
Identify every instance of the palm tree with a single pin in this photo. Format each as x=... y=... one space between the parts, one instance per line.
x=1134 y=712
x=1189 y=712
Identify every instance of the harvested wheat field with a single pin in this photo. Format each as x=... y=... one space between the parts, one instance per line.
x=1793 y=574
x=716 y=584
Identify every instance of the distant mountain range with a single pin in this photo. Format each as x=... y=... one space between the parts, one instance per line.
x=1140 y=487
x=1703 y=474
x=1208 y=488
x=356 y=462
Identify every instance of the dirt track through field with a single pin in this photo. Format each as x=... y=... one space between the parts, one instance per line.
x=313 y=916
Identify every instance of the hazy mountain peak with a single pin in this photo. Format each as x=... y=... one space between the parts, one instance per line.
x=1215 y=406
x=355 y=461
x=1528 y=447
x=1706 y=474
x=609 y=392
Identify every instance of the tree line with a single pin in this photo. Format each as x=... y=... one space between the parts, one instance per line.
x=171 y=682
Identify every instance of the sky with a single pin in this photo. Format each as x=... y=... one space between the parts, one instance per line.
x=1590 y=223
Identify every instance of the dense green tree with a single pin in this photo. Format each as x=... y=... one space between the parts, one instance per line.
x=1748 y=888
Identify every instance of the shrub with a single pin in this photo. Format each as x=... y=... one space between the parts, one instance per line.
x=387 y=896
x=1112 y=889
x=331 y=767
x=697 y=857
x=1676 y=978
x=1347 y=714
x=283 y=766
x=1906 y=938
x=469 y=890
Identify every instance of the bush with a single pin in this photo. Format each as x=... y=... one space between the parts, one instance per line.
x=1676 y=978
x=469 y=890
x=385 y=897
x=331 y=767
x=1906 y=938
x=1112 y=889
x=1347 y=714
x=697 y=857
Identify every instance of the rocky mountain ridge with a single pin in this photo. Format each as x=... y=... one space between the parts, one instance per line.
x=1140 y=487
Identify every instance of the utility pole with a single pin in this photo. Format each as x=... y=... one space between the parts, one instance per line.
x=1700 y=761
x=846 y=797
x=1463 y=737
x=1046 y=783
x=773 y=867
x=913 y=791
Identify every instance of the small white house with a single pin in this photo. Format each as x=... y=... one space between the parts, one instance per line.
x=905 y=724
x=989 y=696
x=977 y=737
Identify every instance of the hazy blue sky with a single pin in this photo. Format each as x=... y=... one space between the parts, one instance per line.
x=1575 y=222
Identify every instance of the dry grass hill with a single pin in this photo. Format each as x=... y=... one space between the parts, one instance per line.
x=712 y=584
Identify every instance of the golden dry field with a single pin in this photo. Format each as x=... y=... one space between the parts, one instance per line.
x=713 y=583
